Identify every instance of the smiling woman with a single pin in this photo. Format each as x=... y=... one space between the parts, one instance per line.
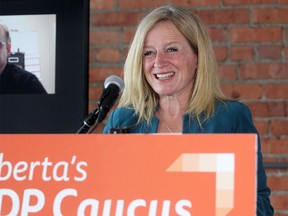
x=172 y=86
x=169 y=65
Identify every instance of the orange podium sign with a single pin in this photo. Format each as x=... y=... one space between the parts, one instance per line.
x=128 y=174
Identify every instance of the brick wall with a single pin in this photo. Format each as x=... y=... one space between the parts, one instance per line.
x=250 y=40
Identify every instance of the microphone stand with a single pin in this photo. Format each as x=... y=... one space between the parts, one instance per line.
x=92 y=121
x=93 y=127
x=89 y=122
x=107 y=100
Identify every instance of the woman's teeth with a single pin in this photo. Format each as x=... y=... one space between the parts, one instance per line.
x=164 y=75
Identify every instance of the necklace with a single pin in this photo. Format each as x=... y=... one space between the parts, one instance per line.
x=167 y=127
x=164 y=123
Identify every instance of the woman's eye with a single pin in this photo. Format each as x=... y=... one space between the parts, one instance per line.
x=147 y=53
x=172 y=49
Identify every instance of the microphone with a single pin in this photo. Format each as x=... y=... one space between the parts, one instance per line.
x=113 y=86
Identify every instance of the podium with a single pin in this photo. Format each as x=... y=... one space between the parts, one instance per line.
x=128 y=174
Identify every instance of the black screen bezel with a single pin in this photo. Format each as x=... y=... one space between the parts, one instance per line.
x=62 y=112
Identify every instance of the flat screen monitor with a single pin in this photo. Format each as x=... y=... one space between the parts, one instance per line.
x=50 y=39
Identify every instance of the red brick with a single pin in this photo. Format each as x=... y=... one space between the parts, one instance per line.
x=91 y=106
x=196 y=2
x=217 y=34
x=268 y=109
x=270 y=15
x=286 y=53
x=279 y=201
x=256 y=34
x=262 y=127
x=227 y=72
x=108 y=55
x=275 y=159
x=279 y=127
x=91 y=55
x=238 y=16
x=274 y=145
x=270 y=52
x=247 y=2
x=220 y=53
x=279 y=90
x=242 y=90
x=128 y=35
x=99 y=74
x=99 y=129
x=240 y=53
x=115 y=19
x=264 y=71
x=101 y=4
x=107 y=37
x=278 y=213
x=141 y=3
x=95 y=92
x=278 y=183
x=125 y=52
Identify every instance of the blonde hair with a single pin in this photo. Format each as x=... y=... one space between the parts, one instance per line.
x=206 y=89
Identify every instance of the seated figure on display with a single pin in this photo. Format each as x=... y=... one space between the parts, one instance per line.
x=14 y=79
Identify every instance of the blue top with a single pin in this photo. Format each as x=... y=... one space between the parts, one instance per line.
x=229 y=117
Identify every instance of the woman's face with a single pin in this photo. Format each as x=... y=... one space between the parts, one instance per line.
x=169 y=63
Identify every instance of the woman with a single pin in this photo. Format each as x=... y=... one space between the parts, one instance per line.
x=171 y=86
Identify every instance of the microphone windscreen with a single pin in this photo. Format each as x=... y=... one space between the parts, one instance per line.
x=114 y=80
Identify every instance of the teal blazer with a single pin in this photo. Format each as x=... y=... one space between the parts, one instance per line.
x=229 y=117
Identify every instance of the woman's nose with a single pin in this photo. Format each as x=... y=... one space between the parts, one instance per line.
x=160 y=60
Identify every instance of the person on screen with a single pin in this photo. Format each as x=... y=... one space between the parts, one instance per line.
x=14 y=79
x=171 y=86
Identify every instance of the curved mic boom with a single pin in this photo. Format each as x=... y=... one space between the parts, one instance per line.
x=113 y=86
